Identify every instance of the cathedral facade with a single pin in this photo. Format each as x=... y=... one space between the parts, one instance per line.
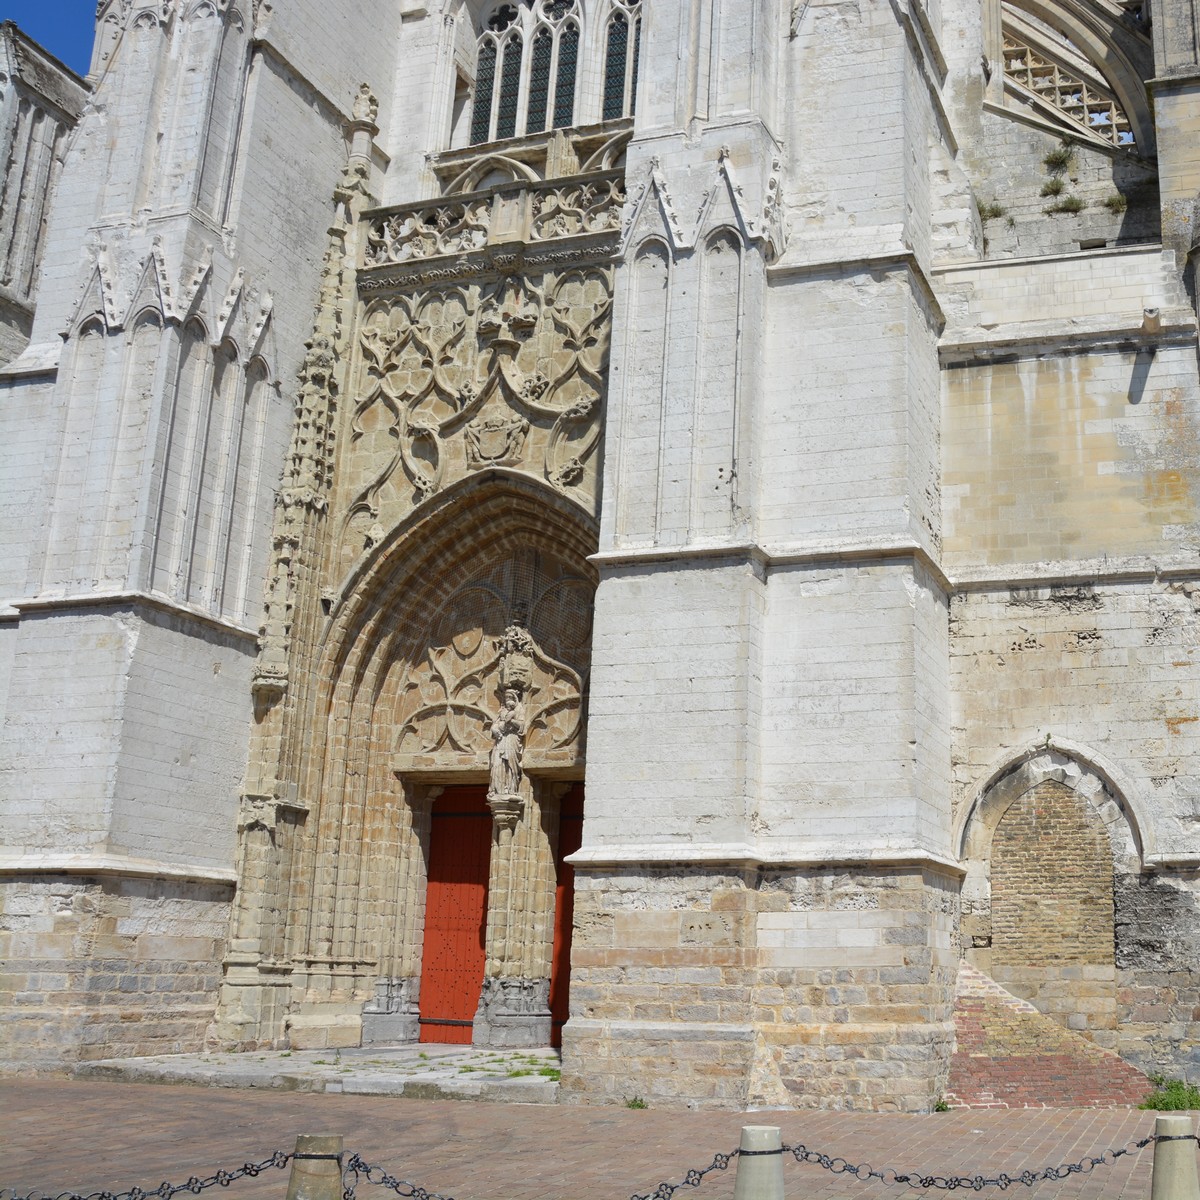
x=656 y=526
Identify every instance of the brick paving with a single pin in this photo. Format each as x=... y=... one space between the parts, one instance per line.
x=84 y=1136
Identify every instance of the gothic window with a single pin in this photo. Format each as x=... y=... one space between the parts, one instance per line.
x=525 y=81
x=509 y=92
x=622 y=43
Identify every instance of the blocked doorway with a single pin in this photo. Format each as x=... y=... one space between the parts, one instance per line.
x=453 y=955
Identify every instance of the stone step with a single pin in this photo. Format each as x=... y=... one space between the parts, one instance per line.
x=1008 y=1055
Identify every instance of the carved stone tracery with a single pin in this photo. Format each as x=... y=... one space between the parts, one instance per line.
x=453 y=694
x=461 y=395
x=456 y=378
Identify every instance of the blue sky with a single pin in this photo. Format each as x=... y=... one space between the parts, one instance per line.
x=64 y=27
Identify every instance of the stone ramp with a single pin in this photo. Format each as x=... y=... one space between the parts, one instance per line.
x=1009 y=1055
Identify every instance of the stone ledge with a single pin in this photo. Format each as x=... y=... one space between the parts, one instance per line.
x=59 y=863
x=743 y=854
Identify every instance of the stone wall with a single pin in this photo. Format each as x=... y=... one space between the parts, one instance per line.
x=817 y=987
x=107 y=967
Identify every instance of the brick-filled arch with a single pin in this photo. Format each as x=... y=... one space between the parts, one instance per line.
x=1042 y=847
x=1052 y=882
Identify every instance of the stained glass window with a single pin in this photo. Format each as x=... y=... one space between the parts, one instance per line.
x=539 y=80
x=528 y=65
x=564 y=86
x=614 y=67
x=481 y=116
x=510 y=88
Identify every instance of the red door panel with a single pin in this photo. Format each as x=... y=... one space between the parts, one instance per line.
x=452 y=961
x=570 y=838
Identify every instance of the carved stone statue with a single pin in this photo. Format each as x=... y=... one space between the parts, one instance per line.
x=508 y=743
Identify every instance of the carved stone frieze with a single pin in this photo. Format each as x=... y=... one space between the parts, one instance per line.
x=589 y=206
x=450 y=228
x=532 y=211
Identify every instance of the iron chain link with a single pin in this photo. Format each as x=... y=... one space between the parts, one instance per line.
x=164 y=1191
x=919 y=1179
x=692 y=1179
x=374 y=1174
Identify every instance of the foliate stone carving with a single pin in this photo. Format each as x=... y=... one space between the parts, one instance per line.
x=575 y=208
x=498 y=681
x=454 y=378
x=584 y=206
x=451 y=228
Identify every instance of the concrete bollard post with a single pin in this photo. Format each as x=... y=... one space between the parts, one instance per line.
x=1174 y=1176
x=316 y=1168
x=760 y=1164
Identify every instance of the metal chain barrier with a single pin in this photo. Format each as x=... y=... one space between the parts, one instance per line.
x=377 y=1175
x=164 y=1191
x=692 y=1179
x=918 y=1179
x=356 y=1169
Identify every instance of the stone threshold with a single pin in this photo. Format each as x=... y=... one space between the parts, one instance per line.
x=423 y=1072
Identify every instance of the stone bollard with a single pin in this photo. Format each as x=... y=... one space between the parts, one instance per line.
x=760 y=1164
x=316 y=1168
x=1174 y=1175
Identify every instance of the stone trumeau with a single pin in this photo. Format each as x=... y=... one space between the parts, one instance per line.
x=655 y=528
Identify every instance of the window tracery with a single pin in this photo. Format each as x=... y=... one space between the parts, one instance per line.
x=526 y=70
x=623 y=33
x=1051 y=75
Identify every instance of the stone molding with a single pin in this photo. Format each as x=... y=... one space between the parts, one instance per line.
x=91 y=600
x=742 y=854
x=55 y=862
x=1026 y=763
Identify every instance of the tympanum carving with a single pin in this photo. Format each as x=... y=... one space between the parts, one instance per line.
x=500 y=680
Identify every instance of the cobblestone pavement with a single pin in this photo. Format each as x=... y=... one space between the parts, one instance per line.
x=84 y=1135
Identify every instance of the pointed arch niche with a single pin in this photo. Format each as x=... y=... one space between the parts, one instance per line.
x=485 y=589
x=1045 y=845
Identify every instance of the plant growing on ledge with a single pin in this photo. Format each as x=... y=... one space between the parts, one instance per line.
x=1068 y=204
x=1171 y=1095
x=1116 y=203
x=991 y=210
x=1060 y=158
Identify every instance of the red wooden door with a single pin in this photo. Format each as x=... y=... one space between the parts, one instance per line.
x=452 y=960
x=570 y=838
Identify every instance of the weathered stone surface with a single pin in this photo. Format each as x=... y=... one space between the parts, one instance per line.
x=780 y=418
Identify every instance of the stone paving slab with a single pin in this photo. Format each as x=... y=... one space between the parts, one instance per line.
x=84 y=1135
x=428 y=1072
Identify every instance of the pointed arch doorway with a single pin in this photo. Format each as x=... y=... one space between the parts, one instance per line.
x=454 y=952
